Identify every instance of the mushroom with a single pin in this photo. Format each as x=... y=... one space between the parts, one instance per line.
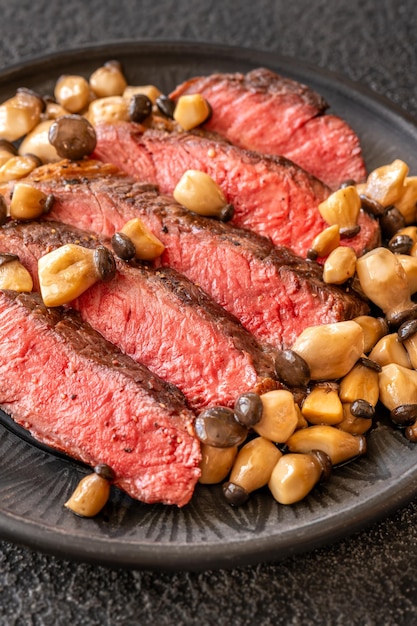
x=109 y=109
x=20 y=114
x=13 y=275
x=140 y=107
x=218 y=427
x=191 y=110
x=253 y=465
x=330 y=350
x=215 y=463
x=28 y=202
x=389 y=349
x=108 y=80
x=409 y=264
x=374 y=328
x=354 y=424
x=7 y=151
x=294 y=476
x=72 y=92
x=279 y=416
x=199 y=193
x=323 y=405
x=407 y=202
x=340 y=265
x=248 y=408
x=384 y=280
x=291 y=369
x=151 y=91
x=37 y=143
x=68 y=271
x=360 y=382
x=385 y=184
x=72 y=136
x=326 y=241
x=90 y=495
x=18 y=167
x=337 y=444
x=342 y=207
x=136 y=240
x=397 y=386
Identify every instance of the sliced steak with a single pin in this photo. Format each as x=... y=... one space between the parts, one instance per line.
x=76 y=392
x=271 y=195
x=161 y=319
x=274 y=293
x=269 y=113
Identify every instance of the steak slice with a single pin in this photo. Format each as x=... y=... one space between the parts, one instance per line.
x=161 y=319
x=78 y=393
x=274 y=293
x=264 y=111
x=271 y=195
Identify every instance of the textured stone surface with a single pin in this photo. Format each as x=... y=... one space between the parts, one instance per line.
x=368 y=579
x=370 y=41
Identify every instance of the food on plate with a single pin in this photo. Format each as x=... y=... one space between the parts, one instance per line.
x=13 y=275
x=191 y=111
x=28 y=203
x=253 y=466
x=91 y=493
x=20 y=114
x=77 y=392
x=72 y=136
x=108 y=80
x=295 y=475
x=156 y=316
x=269 y=113
x=135 y=241
x=199 y=193
x=67 y=272
x=17 y=167
x=270 y=195
x=384 y=280
x=330 y=350
x=276 y=379
x=273 y=292
x=339 y=445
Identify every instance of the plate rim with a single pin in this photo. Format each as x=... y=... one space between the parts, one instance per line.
x=169 y=558
x=198 y=557
x=98 y=49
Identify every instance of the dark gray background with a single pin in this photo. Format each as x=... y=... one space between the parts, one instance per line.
x=368 y=579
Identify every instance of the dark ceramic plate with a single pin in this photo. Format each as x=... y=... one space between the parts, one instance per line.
x=207 y=533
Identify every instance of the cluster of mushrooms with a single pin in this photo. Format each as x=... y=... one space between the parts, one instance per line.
x=334 y=375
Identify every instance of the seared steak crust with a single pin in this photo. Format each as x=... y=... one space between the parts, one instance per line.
x=273 y=292
x=161 y=319
x=271 y=195
x=266 y=112
x=78 y=393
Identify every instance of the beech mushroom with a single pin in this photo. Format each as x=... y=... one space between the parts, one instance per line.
x=384 y=280
x=68 y=271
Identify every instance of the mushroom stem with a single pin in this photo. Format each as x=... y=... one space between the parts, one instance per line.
x=68 y=271
x=384 y=280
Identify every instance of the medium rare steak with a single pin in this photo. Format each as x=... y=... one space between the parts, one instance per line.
x=274 y=293
x=269 y=113
x=161 y=319
x=76 y=392
x=271 y=195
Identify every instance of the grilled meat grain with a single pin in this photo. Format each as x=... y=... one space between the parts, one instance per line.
x=160 y=319
x=273 y=292
x=271 y=195
x=269 y=113
x=78 y=393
